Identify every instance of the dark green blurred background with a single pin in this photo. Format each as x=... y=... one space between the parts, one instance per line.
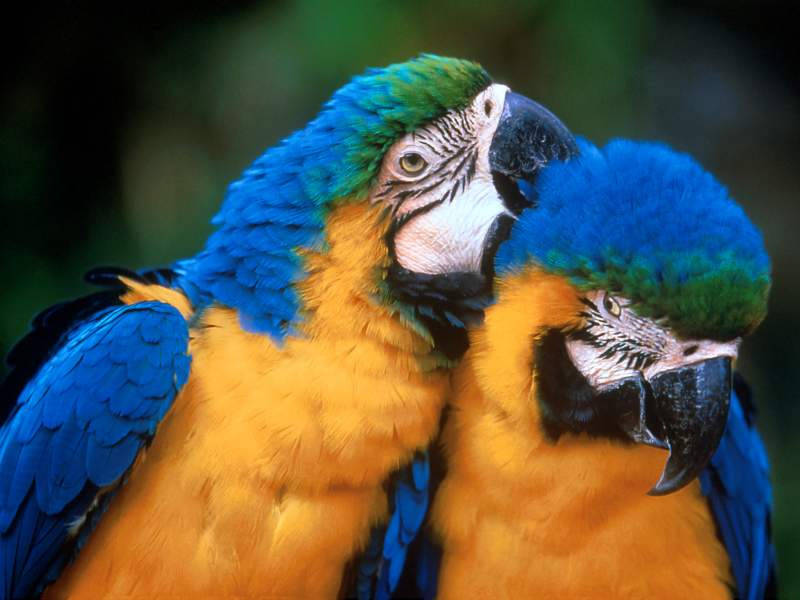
x=120 y=130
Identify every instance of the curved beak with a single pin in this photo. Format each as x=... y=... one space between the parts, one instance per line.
x=683 y=410
x=692 y=405
x=527 y=137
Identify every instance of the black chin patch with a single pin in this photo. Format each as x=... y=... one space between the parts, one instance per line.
x=567 y=401
x=446 y=304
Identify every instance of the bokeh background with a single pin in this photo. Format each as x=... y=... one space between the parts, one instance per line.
x=119 y=130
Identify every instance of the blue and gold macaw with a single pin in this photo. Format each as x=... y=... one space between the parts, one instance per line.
x=622 y=298
x=226 y=426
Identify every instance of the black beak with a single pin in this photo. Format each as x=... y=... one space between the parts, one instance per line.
x=528 y=136
x=683 y=410
x=692 y=404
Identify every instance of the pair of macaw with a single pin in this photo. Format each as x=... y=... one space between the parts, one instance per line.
x=256 y=421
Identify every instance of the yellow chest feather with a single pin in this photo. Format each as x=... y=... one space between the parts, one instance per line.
x=570 y=521
x=266 y=475
x=520 y=516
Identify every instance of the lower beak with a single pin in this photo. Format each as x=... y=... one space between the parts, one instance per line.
x=683 y=410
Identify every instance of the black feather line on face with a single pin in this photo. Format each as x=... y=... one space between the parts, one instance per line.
x=429 y=146
x=398 y=223
x=450 y=158
x=567 y=401
x=599 y=332
x=445 y=302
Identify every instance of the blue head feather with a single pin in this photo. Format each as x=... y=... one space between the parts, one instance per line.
x=649 y=223
x=280 y=203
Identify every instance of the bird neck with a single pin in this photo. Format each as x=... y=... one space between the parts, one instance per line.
x=577 y=505
x=288 y=265
x=344 y=289
x=565 y=519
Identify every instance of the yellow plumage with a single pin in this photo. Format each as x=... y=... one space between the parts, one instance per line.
x=521 y=517
x=266 y=475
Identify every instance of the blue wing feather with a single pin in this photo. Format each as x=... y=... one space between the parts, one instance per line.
x=77 y=426
x=382 y=564
x=736 y=483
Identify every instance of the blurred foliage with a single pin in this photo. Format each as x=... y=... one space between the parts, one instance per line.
x=120 y=130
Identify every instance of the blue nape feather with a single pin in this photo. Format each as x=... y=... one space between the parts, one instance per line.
x=639 y=199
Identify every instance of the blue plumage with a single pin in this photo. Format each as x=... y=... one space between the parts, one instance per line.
x=608 y=202
x=383 y=561
x=600 y=221
x=736 y=483
x=77 y=426
x=89 y=385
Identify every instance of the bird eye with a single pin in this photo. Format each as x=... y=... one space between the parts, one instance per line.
x=487 y=108
x=412 y=163
x=612 y=306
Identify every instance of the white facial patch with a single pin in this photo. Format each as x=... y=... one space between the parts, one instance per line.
x=617 y=343
x=438 y=186
x=451 y=236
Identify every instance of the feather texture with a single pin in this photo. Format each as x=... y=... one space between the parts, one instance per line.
x=78 y=425
x=520 y=516
x=737 y=486
x=298 y=255
x=649 y=223
x=268 y=445
x=383 y=561
x=279 y=205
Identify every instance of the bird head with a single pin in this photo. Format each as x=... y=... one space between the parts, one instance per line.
x=433 y=145
x=636 y=277
x=453 y=146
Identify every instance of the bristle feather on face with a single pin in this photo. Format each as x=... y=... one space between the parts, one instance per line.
x=443 y=210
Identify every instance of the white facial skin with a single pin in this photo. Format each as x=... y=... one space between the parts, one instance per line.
x=623 y=343
x=442 y=171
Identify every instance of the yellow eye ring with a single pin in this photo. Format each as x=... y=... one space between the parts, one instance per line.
x=412 y=163
x=612 y=306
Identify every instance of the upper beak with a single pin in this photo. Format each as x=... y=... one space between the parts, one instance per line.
x=683 y=410
x=692 y=404
x=527 y=137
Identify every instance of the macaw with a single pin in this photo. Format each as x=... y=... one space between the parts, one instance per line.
x=225 y=426
x=622 y=299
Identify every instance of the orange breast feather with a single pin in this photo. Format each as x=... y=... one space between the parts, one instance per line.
x=522 y=517
x=266 y=475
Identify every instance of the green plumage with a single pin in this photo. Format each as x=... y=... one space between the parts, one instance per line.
x=719 y=300
x=384 y=104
